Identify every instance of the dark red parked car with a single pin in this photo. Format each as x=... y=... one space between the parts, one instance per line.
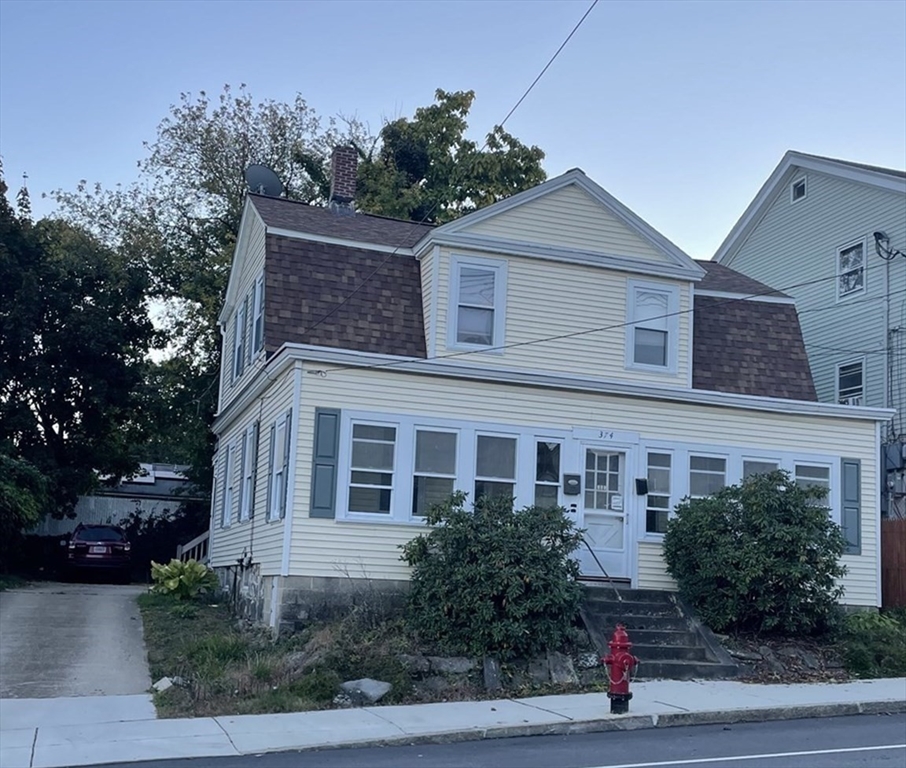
x=98 y=549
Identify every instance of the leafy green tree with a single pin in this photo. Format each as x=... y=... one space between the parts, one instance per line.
x=494 y=581
x=761 y=556
x=425 y=169
x=23 y=502
x=74 y=332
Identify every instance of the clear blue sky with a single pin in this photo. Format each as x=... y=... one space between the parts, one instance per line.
x=679 y=109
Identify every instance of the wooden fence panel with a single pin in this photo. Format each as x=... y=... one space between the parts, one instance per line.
x=893 y=563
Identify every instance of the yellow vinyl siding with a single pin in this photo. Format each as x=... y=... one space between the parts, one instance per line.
x=587 y=299
x=249 y=261
x=320 y=545
x=258 y=537
x=568 y=218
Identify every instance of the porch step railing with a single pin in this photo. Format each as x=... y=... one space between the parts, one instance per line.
x=197 y=549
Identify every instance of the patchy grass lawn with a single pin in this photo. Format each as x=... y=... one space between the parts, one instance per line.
x=225 y=667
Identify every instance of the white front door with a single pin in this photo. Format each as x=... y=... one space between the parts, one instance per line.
x=604 y=508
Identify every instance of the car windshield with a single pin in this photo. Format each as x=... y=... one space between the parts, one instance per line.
x=99 y=533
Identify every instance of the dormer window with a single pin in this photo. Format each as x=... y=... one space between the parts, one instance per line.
x=797 y=190
x=652 y=330
x=478 y=290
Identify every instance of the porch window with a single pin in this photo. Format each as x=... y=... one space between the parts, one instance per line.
x=279 y=467
x=814 y=476
x=658 y=504
x=752 y=467
x=547 y=474
x=371 y=476
x=851 y=270
x=249 y=457
x=707 y=475
x=227 y=511
x=435 y=469
x=495 y=466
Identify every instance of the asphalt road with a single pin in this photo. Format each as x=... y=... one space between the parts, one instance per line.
x=863 y=741
x=71 y=640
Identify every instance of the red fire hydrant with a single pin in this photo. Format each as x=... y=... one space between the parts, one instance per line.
x=622 y=665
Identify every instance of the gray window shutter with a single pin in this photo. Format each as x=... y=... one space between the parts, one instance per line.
x=287 y=441
x=324 y=463
x=851 y=513
x=270 y=473
x=253 y=449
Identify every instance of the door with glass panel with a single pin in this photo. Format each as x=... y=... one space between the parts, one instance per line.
x=604 y=511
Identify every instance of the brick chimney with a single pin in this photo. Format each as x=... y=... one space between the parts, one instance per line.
x=343 y=163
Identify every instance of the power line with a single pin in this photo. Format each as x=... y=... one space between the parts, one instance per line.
x=616 y=326
x=431 y=210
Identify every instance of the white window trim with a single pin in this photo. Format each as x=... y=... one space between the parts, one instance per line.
x=633 y=287
x=394 y=471
x=466 y=446
x=277 y=453
x=854 y=361
x=735 y=456
x=499 y=267
x=838 y=273
x=803 y=180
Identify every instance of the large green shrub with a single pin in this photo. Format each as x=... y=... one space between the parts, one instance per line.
x=494 y=581
x=762 y=556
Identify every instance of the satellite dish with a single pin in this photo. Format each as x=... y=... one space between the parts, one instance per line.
x=263 y=181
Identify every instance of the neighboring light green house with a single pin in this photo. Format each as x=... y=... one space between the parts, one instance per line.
x=811 y=231
x=552 y=346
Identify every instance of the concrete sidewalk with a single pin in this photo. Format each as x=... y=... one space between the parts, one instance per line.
x=47 y=733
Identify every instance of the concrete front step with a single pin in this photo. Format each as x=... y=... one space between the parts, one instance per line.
x=664 y=637
x=606 y=593
x=613 y=608
x=632 y=622
x=669 y=652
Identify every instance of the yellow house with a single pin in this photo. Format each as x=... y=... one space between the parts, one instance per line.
x=552 y=347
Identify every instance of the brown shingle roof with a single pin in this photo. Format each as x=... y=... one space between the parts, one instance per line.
x=721 y=278
x=306 y=281
x=360 y=227
x=750 y=347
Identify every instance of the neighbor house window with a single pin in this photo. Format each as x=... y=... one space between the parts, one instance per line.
x=658 y=504
x=547 y=474
x=850 y=383
x=479 y=293
x=435 y=469
x=707 y=475
x=850 y=270
x=371 y=469
x=495 y=466
x=652 y=330
x=227 y=487
x=797 y=190
x=258 y=316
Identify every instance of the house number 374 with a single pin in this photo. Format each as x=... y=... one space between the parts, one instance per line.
x=605 y=434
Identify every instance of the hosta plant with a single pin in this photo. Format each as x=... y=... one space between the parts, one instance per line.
x=183 y=580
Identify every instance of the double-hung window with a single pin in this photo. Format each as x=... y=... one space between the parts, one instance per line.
x=279 y=467
x=652 y=330
x=371 y=468
x=435 y=468
x=752 y=467
x=239 y=333
x=658 y=508
x=850 y=383
x=814 y=476
x=249 y=459
x=851 y=270
x=478 y=298
x=495 y=466
x=257 y=336
x=227 y=511
x=707 y=475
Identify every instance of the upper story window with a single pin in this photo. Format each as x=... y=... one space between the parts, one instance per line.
x=651 y=337
x=239 y=339
x=257 y=335
x=851 y=383
x=797 y=190
x=478 y=302
x=851 y=270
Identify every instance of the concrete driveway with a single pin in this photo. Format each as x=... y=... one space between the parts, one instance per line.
x=71 y=640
